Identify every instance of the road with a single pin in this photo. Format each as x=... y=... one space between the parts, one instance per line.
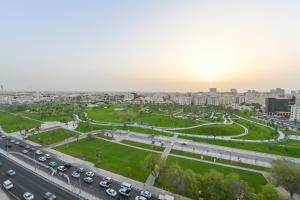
x=26 y=181
x=78 y=184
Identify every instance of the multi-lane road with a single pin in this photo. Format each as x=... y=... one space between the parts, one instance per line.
x=93 y=188
x=26 y=181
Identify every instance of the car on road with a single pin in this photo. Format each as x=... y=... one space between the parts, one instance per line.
x=88 y=180
x=111 y=192
x=38 y=152
x=28 y=196
x=61 y=168
x=140 y=198
x=105 y=184
x=75 y=174
x=25 y=151
x=125 y=191
x=47 y=155
x=146 y=194
x=52 y=164
x=90 y=174
x=42 y=158
x=49 y=196
x=8 y=184
x=11 y=172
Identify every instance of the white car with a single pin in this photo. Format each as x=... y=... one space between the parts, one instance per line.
x=105 y=184
x=49 y=196
x=111 y=192
x=146 y=194
x=75 y=174
x=108 y=179
x=125 y=191
x=17 y=142
x=8 y=184
x=38 y=152
x=28 y=196
x=90 y=174
x=61 y=168
x=11 y=172
x=140 y=198
x=25 y=151
x=88 y=180
x=42 y=159
x=47 y=155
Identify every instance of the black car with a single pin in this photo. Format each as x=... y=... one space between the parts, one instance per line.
x=8 y=145
x=68 y=166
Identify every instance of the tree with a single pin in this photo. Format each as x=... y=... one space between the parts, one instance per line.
x=238 y=189
x=287 y=175
x=213 y=186
x=150 y=164
x=268 y=193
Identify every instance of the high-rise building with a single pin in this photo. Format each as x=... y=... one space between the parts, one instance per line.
x=279 y=106
x=233 y=91
x=278 y=92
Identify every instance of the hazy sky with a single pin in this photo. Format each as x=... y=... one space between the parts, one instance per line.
x=154 y=45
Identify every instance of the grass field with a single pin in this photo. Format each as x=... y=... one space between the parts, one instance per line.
x=256 y=131
x=125 y=113
x=215 y=130
x=11 y=123
x=51 y=137
x=208 y=158
x=53 y=117
x=113 y=157
x=254 y=180
x=84 y=127
x=143 y=145
x=289 y=148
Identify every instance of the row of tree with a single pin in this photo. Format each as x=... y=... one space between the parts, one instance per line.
x=216 y=186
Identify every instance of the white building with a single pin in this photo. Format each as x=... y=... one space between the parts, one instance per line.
x=295 y=110
x=199 y=99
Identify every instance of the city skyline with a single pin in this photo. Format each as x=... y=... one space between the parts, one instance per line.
x=149 y=46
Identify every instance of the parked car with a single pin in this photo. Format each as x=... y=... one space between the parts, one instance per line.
x=125 y=191
x=25 y=151
x=90 y=174
x=146 y=194
x=42 y=159
x=140 y=198
x=88 y=180
x=68 y=166
x=52 y=164
x=75 y=174
x=49 y=196
x=28 y=196
x=38 y=152
x=7 y=185
x=47 y=155
x=27 y=147
x=111 y=192
x=105 y=184
x=61 y=168
x=126 y=185
x=11 y=172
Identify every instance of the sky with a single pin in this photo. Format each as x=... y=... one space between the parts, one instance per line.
x=154 y=45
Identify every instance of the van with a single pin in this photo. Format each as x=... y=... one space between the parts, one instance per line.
x=126 y=185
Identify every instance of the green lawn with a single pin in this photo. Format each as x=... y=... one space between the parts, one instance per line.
x=11 y=123
x=256 y=131
x=113 y=157
x=143 y=145
x=132 y=113
x=199 y=156
x=84 y=127
x=51 y=137
x=215 y=130
x=53 y=117
x=254 y=180
x=289 y=148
